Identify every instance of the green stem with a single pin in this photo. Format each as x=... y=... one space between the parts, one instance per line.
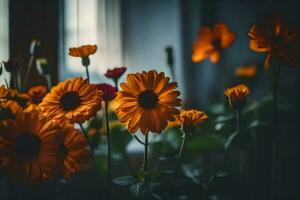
x=138 y=140
x=145 y=165
x=182 y=145
x=87 y=73
x=31 y=59
x=108 y=141
x=238 y=121
x=86 y=137
x=276 y=133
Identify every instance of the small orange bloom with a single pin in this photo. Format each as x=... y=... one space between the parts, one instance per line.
x=246 y=71
x=83 y=51
x=9 y=109
x=11 y=94
x=190 y=119
x=75 y=151
x=276 y=39
x=37 y=93
x=237 y=95
x=210 y=42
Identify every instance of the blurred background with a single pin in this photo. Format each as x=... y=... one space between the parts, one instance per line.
x=155 y=34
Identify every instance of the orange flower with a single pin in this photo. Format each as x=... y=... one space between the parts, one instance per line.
x=147 y=102
x=246 y=71
x=30 y=147
x=9 y=109
x=11 y=94
x=75 y=151
x=74 y=101
x=210 y=42
x=237 y=95
x=276 y=39
x=83 y=51
x=37 y=93
x=190 y=119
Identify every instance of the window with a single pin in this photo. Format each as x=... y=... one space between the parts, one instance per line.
x=91 y=22
x=4 y=36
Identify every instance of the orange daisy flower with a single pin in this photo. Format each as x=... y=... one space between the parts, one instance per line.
x=246 y=71
x=237 y=95
x=75 y=151
x=147 y=102
x=37 y=93
x=9 y=109
x=11 y=94
x=83 y=51
x=190 y=119
x=210 y=42
x=30 y=147
x=74 y=101
x=276 y=39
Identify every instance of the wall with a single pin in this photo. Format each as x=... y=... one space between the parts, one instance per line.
x=149 y=27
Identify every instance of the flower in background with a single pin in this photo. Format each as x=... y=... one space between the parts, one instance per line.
x=9 y=109
x=37 y=93
x=276 y=39
x=74 y=101
x=11 y=94
x=75 y=151
x=210 y=42
x=246 y=71
x=190 y=119
x=30 y=147
x=237 y=95
x=109 y=92
x=11 y=66
x=83 y=51
x=147 y=102
x=115 y=74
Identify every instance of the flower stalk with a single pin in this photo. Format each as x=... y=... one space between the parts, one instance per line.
x=145 y=165
x=182 y=145
x=108 y=141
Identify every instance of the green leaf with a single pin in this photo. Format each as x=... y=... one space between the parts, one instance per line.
x=256 y=124
x=206 y=143
x=192 y=171
x=125 y=180
x=230 y=140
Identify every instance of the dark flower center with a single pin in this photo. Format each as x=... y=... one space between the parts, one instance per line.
x=148 y=99
x=27 y=146
x=70 y=100
x=6 y=113
x=277 y=40
x=217 y=44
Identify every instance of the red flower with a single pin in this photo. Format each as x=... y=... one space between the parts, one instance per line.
x=109 y=92
x=115 y=73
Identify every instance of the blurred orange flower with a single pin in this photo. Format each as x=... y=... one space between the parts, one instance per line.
x=277 y=39
x=147 y=102
x=210 y=42
x=37 y=93
x=75 y=151
x=30 y=147
x=11 y=94
x=83 y=51
x=237 y=95
x=9 y=109
x=190 y=119
x=246 y=71
x=74 y=101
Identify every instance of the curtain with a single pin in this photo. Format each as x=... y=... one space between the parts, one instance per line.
x=4 y=36
x=91 y=22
